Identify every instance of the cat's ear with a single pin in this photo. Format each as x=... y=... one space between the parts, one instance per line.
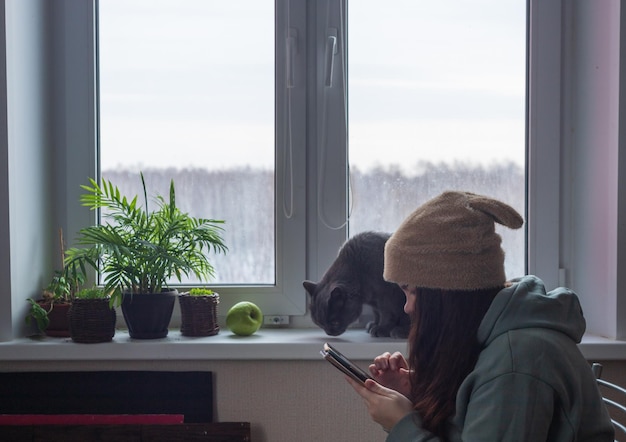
x=337 y=298
x=338 y=293
x=310 y=287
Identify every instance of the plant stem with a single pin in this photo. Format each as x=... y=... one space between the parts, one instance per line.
x=62 y=248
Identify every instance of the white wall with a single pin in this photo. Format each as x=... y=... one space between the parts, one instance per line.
x=33 y=143
x=6 y=329
x=590 y=140
x=28 y=155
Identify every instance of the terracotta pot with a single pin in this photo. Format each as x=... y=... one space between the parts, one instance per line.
x=59 y=326
x=148 y=315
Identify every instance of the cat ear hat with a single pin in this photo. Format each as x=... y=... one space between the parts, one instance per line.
x=450 y=243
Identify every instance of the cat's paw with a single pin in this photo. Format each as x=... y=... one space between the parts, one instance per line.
x=376 y=331
x=399 y=332
x=370 y=325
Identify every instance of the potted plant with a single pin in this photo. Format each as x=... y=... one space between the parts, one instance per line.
x=198 y=309
x=91 y=317
x=50 y=312
x=139 y=251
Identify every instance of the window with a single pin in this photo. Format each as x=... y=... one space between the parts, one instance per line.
x=203 y=93
x=437 y=101
x=572 y=132
x=215 y=96
x=192 y=91
x=186 y=94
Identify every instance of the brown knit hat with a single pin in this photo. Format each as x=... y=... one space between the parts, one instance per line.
x=450 y=243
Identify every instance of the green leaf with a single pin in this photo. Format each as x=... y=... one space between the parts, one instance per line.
x=140 y=250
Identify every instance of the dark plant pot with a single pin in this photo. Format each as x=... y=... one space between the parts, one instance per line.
x=59 y=326
x=92 y=321
x=198 y=315
x=148 y=315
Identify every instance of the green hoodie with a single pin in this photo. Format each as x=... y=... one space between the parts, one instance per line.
x=530 y=383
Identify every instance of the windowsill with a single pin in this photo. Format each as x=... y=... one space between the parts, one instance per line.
x=276 y=344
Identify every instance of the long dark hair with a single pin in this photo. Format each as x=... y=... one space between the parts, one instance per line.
x=443 y=349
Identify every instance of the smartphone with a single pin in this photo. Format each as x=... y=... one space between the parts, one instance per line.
x=348 y=367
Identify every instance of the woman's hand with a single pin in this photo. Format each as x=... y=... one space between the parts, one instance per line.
x=385 y=406
x=392 y=371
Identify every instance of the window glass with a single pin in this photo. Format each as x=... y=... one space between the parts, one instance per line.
x=436 y=102
x=187 y=93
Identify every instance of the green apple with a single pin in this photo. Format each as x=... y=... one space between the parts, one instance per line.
x=244 y=318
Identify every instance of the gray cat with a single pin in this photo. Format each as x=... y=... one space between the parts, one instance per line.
x=356 y=279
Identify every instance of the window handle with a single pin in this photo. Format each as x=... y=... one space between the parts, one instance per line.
x=291 y=51
x=331 y=51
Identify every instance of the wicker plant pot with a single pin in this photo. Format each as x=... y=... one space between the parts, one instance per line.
x=91 y=321
x=199 y=314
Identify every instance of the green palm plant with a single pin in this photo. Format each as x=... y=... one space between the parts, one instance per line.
x=140 y=250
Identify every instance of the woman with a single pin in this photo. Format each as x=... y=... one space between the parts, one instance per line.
x=488 y=360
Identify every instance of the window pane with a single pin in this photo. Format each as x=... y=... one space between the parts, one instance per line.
x=437 y=102
x=187 y=93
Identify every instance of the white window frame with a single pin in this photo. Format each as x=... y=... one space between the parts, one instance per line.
x=286 y=297
x=307 y=242
x=305 y=247
x=576 y=193
x=558 y=75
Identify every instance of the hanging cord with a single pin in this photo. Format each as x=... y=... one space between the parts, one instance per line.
x=288 y=163
x=324 y=133
x=290 y=47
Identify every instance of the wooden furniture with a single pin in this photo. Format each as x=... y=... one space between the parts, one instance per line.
x=210 y=432
x=189 y=393
x=30 y=401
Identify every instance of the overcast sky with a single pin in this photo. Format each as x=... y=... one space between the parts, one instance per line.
x=436 y=80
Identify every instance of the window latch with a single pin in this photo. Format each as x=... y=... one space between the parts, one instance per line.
x=291 y=51
x=331 y=51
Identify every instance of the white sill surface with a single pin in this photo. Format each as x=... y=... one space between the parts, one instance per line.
x=275 y=344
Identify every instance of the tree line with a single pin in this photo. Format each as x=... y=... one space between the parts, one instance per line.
x=379 y=200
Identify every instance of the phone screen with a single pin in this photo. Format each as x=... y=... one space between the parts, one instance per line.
x=348 y=367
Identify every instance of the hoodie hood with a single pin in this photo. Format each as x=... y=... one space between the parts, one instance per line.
x=525 y=304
